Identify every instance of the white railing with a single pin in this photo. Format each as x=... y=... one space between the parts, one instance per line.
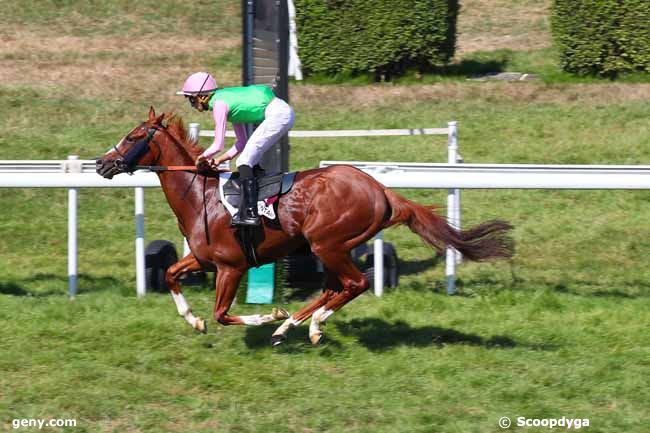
x=504 y=176
x=392 y=174
x=74 y=174
x=453 y=195
x=500 y=176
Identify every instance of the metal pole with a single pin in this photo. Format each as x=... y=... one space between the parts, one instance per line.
x=139 y=242
x=186 y=247
x=453 y=137
x=379 y=264
x=452 y=198
x=195 y=130
x=248 y=17
x=72 y=238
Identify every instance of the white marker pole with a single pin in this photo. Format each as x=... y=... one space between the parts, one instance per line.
x=379 y=264
x=72 y=238
x=141 y=287
x=452 y=198
x=195 y=130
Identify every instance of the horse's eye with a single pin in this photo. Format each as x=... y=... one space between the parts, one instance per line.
x=130 y=139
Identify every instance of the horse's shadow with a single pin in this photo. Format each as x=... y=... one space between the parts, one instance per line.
x=298 y=339
x=87 y=284
x=379 y=335
x=416 y=266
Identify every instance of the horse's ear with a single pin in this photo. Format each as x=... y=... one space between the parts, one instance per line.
x=159 y=119
x=152 y=113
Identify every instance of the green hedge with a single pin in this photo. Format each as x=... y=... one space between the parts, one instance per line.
x=602 y=37
x=381 y=36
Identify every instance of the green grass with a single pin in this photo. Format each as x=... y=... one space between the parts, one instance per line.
x=561 y=330
x=542 y=62
x=412 y=361
x=121 y=17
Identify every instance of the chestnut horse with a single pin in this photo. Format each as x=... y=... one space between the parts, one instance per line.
x=332 y=210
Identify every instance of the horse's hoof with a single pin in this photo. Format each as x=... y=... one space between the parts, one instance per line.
x=279 y=314
x=316 y=338
x=201 y=325
x=277 y=340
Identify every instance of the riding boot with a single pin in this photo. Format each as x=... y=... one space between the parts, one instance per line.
x=258 y=171
x=247 y=215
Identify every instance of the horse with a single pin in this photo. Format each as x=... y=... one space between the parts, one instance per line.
x=329 y=210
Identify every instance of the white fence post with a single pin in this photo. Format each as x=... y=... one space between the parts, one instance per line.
x=139 y=242
x=186 y=247
x=379 y=264
x=453 y=136
x=195 y=130
x=72 y=237
x=453 y=209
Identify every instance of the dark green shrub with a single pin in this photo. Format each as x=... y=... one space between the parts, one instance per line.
x=381 y=36
x=602 y=37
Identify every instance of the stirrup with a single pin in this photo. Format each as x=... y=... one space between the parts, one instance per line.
x=247 y=215
x=249 y=220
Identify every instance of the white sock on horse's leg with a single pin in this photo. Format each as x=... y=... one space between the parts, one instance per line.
x=286 y=325
x=259 y=319
x=319 y=316
x=255 y=319
x=185 y=311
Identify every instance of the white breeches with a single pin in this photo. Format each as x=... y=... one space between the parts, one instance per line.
x=278 y=120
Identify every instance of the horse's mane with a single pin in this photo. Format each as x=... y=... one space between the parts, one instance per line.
x=176 y=127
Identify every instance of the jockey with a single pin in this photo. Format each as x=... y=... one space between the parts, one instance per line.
x=239 y=105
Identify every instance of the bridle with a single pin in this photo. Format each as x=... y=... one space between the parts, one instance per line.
x=128 y=160
x=128 y=163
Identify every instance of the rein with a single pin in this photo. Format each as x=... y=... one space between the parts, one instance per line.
x=129 y=160
x=159 y=168
x=141 y=147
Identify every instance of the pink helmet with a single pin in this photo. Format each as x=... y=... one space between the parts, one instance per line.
x=198 y=83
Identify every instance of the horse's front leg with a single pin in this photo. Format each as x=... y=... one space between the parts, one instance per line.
x=186 y=264
x=226 y=288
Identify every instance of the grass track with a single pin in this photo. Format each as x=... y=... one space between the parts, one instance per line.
x=414 y=361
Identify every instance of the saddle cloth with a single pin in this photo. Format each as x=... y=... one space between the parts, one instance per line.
x=269 y=189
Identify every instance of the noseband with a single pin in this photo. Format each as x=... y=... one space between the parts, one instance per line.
x=128 y=161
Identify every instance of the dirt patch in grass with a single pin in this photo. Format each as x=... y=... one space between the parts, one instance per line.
x=107 y=67
x=370 y=96
x=23 y=41
x=105 y=81
x=486 y=25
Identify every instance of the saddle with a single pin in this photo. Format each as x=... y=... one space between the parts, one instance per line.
x=270 y=188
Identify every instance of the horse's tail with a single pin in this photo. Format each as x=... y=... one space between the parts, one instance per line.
x=483 y=242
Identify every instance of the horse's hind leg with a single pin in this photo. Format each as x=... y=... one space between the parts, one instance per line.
x=186 y=264
x=334 y=287
x=353 y=283
x=280 y=334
